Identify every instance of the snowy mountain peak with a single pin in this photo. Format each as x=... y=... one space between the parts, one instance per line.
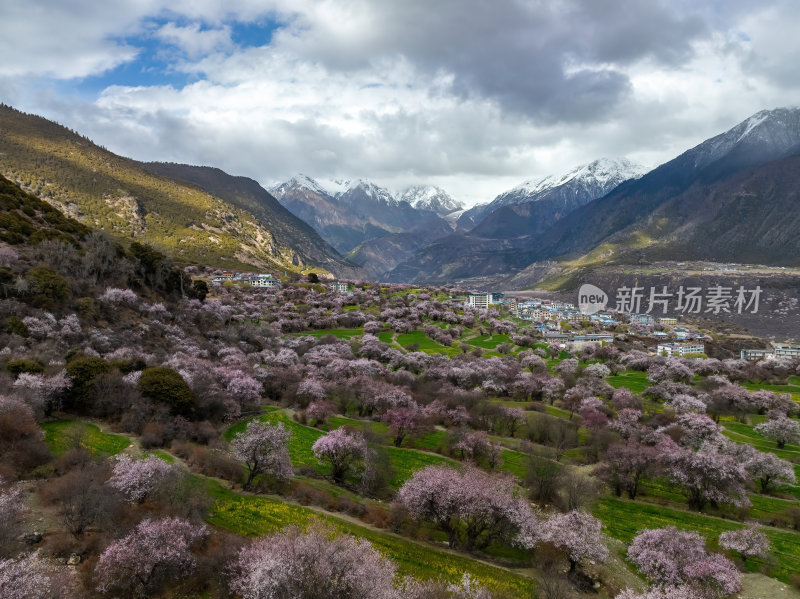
x=604 y=172
x=359 y=190
x=766 y=133
x=430 y=197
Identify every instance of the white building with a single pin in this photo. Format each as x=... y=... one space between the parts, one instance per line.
x=264 y=280
x=338 y=287
x=791 y=351
x=680 y=349
x=481 y=301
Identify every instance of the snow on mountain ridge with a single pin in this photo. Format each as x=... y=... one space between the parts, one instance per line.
x=602 y=172
x=430 y=197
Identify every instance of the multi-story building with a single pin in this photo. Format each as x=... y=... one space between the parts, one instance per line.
x=668 y=320
x=642 y=318
x=481 y=301
x=790 y=351
x=680 y=349
x=338 y=287
x=756 y=354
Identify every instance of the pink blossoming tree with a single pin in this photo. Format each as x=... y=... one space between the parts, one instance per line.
x=155 y=551
x=264 y=450
x=313 y=565
x=342 y=449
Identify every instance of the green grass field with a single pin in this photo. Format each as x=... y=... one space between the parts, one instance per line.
x=404 y=462
x=634 y=380
x=425 y=343
x=488 y=341
x=62 y=435
x=257 y=515
x=623 y=519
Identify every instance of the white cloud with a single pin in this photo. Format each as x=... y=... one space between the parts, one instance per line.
x=474 y=100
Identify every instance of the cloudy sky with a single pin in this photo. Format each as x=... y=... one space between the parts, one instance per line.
x=473 y=95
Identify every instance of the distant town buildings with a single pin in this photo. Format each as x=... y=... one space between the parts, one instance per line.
x=261 y=280
x=777 y=351
x=666 y=320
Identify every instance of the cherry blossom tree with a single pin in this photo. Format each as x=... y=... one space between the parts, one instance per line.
x=769 y=470
x=625 y=465
x=472 y=506
x=707 y=475
x=670 y=557
x=155 y=551
x=696 y=429
x=626 y=422
x=748 y=542
x=137 y=479
x=30 y=577
x=578 y=534
x=321 y=410
x=344 y=450
x=315 y=565
x=780 y=429
x=264 y=450
x=402 y=420
x=477 y=446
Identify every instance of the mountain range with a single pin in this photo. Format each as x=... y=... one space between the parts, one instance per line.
x=731 y=198
x=376 y=228
x=196 y=214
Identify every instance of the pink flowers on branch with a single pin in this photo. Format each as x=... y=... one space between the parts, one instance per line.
x=780 y=429
x=264 y=450
x=578 y=534
x=747 y=542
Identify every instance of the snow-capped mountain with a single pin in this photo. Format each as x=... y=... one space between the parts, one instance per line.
x=587 y=180
x=358 y=213
x=566 y=191
x=431 y=197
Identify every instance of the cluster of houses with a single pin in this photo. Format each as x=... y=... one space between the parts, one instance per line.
x=260 y=280
x=776 y=351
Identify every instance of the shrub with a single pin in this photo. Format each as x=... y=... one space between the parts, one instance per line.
x=48 y=288
x=166 y=386
x=17 y=367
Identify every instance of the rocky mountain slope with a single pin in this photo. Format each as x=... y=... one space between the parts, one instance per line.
x=689 y=188
x=731 y=198
x=129 y=200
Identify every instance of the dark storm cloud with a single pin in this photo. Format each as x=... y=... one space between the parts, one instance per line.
x=547 y=60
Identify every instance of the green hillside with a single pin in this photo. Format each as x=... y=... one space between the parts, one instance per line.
x=115 y=194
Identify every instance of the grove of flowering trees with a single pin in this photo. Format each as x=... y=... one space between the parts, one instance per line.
x=527 y=420
x=137 y=479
